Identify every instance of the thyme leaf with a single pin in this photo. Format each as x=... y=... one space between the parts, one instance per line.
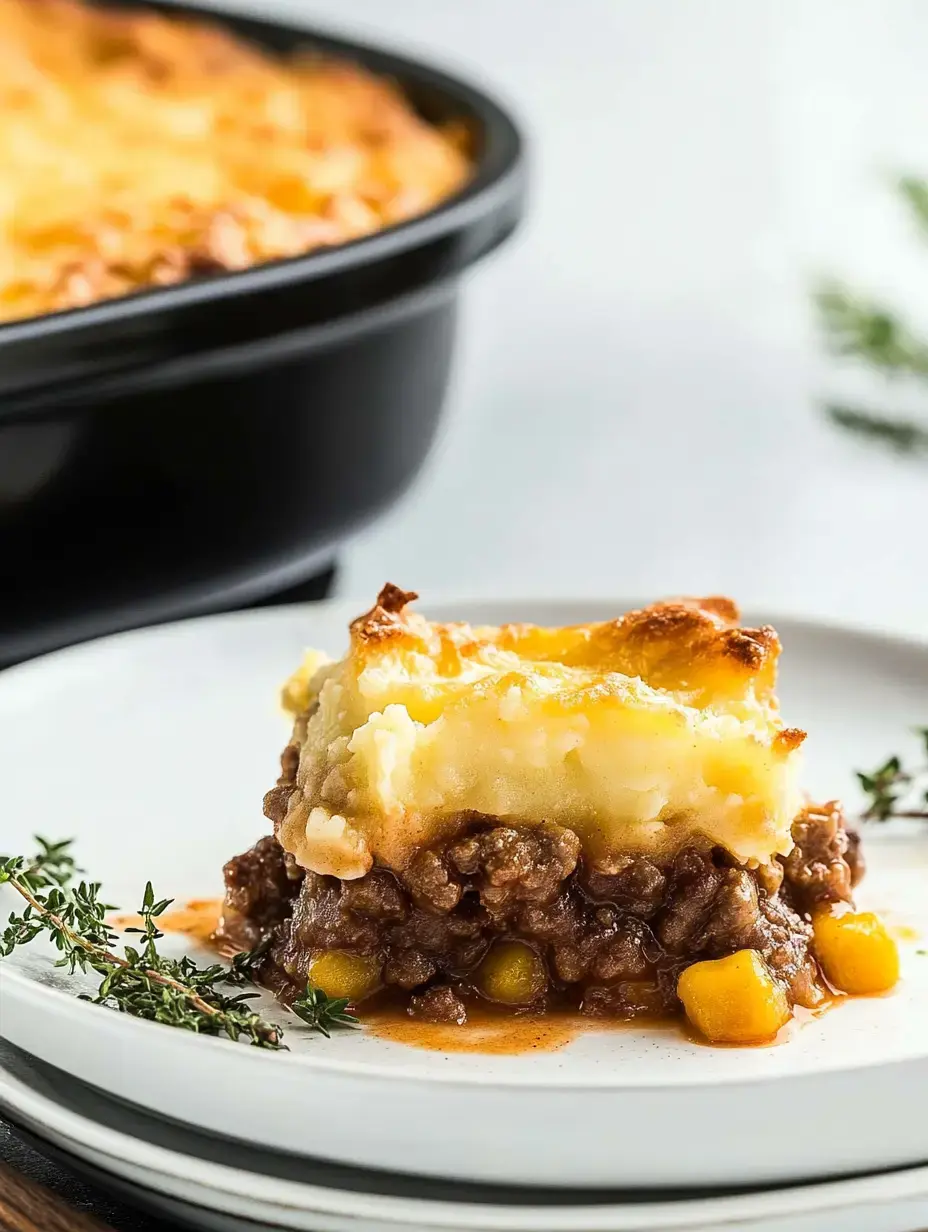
x=895 y=789
x=904 y=435
x=321 y=1012
x=141 y=981
x=868 y=331
x=862 y=328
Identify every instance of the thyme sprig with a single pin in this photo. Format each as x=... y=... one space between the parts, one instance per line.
x=859 y=327
x=903 y=435
x=323 y=1013
x=869 y=331
x=142 y=981
x=897 y=790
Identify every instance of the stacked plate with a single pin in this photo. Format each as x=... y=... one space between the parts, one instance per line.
x=210 y=1182
x=155 y=748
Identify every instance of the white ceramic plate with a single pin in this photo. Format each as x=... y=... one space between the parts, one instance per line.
x=154 y=749
x=215 y=1184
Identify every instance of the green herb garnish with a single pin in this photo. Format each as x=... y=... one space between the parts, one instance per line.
x=901 y=434
x=860 y=328
x=897 y=790
x=142 y=982
x=868 y=331
x=323 y=1013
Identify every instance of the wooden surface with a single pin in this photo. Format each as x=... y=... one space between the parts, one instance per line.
x=82 y=1199
x=26 y=1206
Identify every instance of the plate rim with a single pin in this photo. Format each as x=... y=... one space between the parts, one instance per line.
x=84 y=1131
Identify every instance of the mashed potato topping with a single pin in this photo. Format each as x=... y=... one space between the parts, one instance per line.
x=638 y=733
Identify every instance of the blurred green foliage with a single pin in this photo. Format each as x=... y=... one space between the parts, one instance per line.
x=863 y=329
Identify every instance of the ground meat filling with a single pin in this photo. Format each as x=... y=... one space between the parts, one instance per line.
x=438 y=1005
x=260 y=888
x=818 y=869
x=611 y=937
x=276 y=800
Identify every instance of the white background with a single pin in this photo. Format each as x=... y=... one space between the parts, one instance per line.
x=634 y=408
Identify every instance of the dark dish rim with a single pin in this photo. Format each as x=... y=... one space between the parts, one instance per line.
x=498 y=173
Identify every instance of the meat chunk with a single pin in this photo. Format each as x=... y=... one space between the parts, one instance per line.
x=633 y=883
x=508 y=866
x=377 y=896
x=734 y=919
x=855 y=856
x=431 y=883
x=409 y=969
x=559 y=922
x=610 y=947
x=278 y=798
x=786 y=938
x=438 y=1005
x=693 y=883
x=629 y=999
x=323 y=920
x=455 y=941
x=260 y=887
x=817 y=869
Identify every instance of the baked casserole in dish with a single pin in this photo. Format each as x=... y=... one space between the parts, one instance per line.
x=295 y=214
x=139 y=150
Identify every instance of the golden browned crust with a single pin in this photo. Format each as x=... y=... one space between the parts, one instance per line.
x=385 y=619
x=680 y=643
x=140 y=150
x=703 y=629
x=788 y=739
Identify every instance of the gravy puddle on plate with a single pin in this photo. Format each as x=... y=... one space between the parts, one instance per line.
x=486 y=1031
x=499 y=1033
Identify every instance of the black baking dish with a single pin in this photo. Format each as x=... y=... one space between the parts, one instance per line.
x=204 y=444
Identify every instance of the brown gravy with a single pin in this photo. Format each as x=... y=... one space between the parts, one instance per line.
x=498 y=1033
x=486 y=1031
x=492 y=1029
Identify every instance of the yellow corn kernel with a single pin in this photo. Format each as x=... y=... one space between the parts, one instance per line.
x=733 y=1000
x=340 y=974
x=855 y=950
x=511 y=973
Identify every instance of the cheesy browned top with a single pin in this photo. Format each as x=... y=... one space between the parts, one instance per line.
x=138 y=150
x=639 y=733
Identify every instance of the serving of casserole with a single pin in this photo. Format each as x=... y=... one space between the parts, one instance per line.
x=603 y=817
